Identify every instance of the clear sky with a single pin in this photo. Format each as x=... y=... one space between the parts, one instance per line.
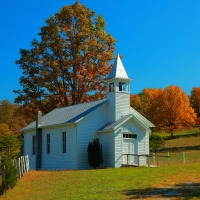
x=160 y=40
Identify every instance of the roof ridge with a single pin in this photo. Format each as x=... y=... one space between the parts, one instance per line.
x=81 y=103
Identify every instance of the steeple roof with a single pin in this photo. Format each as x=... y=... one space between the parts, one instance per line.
x=118 y=70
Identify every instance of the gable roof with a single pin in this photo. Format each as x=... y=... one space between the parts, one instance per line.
x=65 y=115
x=134 y=115
x=118 y=70
x=141 y=118
x=116 y=124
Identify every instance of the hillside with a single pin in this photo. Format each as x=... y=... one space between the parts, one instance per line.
x=177 y=181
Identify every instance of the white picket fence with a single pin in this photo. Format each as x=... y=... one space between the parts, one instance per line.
x=22 y=164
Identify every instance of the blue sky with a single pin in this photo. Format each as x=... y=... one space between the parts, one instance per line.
x=160 y=40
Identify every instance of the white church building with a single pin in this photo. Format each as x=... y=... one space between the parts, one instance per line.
x=59 y=139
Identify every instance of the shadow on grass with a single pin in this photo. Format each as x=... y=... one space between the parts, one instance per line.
x=181 y=136
x=186 y=190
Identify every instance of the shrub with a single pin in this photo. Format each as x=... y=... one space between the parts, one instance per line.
x=95 y=156
x=9 y=173
x=156 y=142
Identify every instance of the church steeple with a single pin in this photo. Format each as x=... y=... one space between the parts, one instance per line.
x=118 y=70
x=118 y=79
x=118 y=91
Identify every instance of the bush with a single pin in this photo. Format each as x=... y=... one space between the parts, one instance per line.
x=156 y=142
x=9 y=173
x=95 y=156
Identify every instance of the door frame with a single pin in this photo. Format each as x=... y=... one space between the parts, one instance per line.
x=130 y=138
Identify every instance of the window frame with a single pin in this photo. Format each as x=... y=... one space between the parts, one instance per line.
x=48 y=143
x=33 y=144
x=122 y=86
x=111 y=87
x=129 y=136
x=64 y=142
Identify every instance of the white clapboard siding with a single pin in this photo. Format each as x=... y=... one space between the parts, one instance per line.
x=118 y=147
x=28 y=148
x=86 y=130
x=122 y=104
x=111 y=112
x=142 y=138
x=108 y=146
x=57 y=159
x=119 y=105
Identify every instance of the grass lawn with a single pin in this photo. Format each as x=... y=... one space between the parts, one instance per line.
x=123 y=183
x=176 y=181
x=187 y=141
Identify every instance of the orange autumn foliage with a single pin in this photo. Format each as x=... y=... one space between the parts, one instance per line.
x=136 y=102
x=168 y=108
x=177 y=110
x=68 y=64
x=153 y=104
x=195 y=102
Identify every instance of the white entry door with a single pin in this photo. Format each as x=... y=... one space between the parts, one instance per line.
x=130 y=147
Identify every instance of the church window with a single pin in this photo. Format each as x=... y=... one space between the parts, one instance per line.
x=64 y=141
x=111 y=87
x=122 y=87
x=48 y=143
x=33 y=144
x=129 y=136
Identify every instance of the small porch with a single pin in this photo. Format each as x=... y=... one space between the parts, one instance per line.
x=127 y=158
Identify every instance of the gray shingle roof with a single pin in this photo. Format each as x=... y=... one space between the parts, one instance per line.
x=113 y=125
x=68 y=114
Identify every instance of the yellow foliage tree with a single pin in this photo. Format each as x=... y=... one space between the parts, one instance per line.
x=4 y=131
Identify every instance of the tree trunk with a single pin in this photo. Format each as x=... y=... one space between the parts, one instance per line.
x=155 y=151
x=171 y=134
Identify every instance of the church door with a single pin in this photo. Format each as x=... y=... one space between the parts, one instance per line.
x=130 y=147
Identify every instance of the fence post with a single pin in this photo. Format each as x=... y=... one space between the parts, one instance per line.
x=169 y=161
x=154 y=159
x=158 y=163
x=184 y=158
x=148 y=158
x=27 y=163
x=19 y=167
x=138 y=160
x=23 y=164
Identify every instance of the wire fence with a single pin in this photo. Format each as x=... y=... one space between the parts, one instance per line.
x=162 y=158
x=176 y=158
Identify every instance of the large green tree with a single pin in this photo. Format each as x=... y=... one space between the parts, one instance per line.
x=69 y=63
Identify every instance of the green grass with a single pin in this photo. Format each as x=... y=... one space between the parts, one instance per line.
x=187 y=141
x=123 y=183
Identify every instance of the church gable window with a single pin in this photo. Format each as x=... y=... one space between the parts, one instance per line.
x=122 y=87
x=111 y=87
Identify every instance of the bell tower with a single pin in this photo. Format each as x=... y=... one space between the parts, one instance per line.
x=118 y=91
